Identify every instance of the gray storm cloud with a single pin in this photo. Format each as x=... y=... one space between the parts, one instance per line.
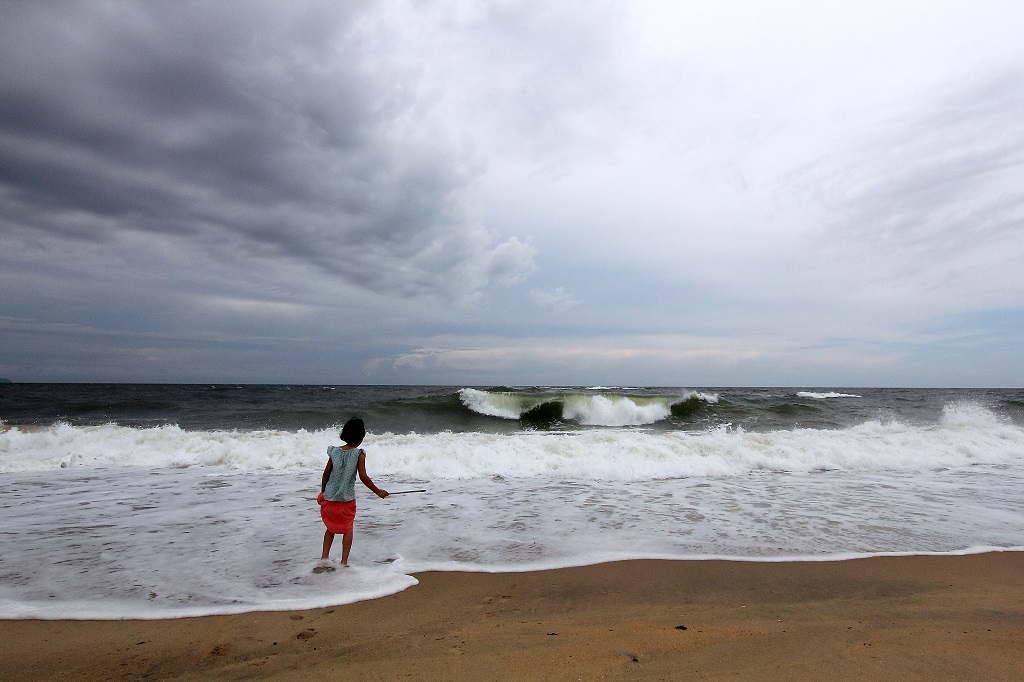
x=578 y=191
x=276 y=133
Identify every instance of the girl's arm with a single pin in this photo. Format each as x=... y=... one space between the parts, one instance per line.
x=327 y=474
x=366 y=479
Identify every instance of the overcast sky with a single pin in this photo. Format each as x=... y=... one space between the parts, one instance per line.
x=464 y=192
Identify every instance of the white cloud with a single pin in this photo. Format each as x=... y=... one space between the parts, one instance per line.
x=511 y=261
x=557 y=299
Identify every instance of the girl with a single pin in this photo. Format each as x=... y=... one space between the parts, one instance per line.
x=337 y=497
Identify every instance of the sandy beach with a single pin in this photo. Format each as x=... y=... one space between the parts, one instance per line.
x=882 y=618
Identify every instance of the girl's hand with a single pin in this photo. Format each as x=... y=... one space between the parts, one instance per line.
x=382 y=493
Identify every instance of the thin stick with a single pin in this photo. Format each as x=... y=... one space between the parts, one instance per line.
x=403 y=492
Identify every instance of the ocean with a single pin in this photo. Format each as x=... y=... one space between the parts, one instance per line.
x=157 y=501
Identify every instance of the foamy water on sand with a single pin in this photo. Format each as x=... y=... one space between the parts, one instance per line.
x=112 y=521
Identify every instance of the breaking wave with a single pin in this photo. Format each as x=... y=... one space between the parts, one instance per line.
x=588 y=409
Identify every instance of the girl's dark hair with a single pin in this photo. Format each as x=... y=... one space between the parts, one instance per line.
x=353 y=431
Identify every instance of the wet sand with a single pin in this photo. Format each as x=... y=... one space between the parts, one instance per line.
x=883 y=618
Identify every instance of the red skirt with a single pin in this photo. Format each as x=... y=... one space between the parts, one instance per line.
x=337 y=516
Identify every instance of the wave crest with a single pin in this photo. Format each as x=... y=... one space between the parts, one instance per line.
x=968 y=434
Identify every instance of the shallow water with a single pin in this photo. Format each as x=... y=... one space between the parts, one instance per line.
x=112 y=521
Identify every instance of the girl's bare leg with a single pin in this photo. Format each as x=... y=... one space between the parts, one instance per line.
x=328 y=541
x=346 y=547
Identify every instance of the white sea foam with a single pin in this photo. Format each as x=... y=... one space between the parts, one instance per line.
x=114 y=543
x=825 y=396
x=112 y=522
x=967 y=434
x=600 y=410
x=62 y=445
